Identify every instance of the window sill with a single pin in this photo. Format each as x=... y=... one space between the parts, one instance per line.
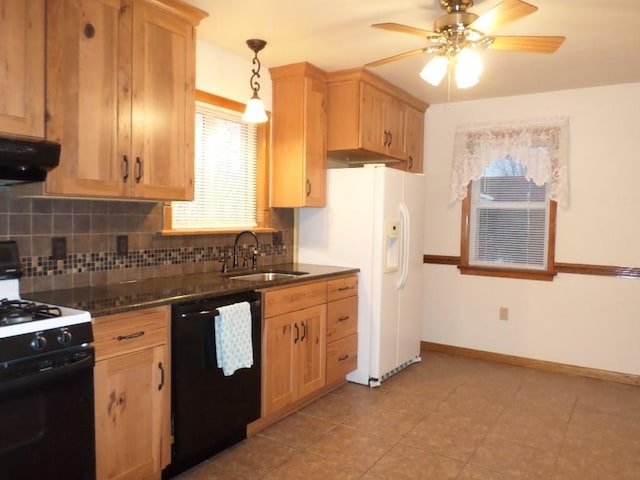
x=507 y=273
x=176 y=233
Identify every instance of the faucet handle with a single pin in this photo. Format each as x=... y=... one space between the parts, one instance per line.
x=254 y=259
x=225 y=268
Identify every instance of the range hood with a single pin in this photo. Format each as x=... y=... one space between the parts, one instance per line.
x=26 y=161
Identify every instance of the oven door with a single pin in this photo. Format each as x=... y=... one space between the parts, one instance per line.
x=47 y=421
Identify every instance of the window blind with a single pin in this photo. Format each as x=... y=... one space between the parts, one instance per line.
x=508 y=221
x=225 y=173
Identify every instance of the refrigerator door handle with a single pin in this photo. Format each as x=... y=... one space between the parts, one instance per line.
x=405 y=221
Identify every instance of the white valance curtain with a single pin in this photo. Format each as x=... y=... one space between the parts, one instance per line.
x=540 y=145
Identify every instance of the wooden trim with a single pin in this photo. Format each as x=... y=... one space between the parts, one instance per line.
x=506 y=273
x=218 y=101
x=181 y=9
x=559 y=267
x=441 y=259
x=554 y=367
x=604 y=270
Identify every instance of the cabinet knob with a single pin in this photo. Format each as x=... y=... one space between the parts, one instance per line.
x=89 y=30
x=410 y=162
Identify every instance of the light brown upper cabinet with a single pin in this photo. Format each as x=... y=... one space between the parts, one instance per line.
x=369 y=118
x=299 y=136
x=22 y=71
x=120 y=97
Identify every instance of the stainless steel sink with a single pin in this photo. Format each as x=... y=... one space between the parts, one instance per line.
x=266 y=276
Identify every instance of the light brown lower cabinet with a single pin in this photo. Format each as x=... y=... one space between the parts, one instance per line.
x=309 y=343
x=294 y=345
x=132 y=394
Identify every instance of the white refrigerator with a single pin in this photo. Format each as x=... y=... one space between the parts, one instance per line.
x=374 y=221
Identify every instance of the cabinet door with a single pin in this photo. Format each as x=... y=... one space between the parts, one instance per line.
x=372 y=122
x=312 y=354
x=22 y=73
x=128 y=406
x=315 y=143
x=299 y=143
x=163 y=105
x=414 y=139
x=278 y=374
x=395 y=116
x=83 y=74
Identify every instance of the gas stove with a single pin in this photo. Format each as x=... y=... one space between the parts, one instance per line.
x=30 y=328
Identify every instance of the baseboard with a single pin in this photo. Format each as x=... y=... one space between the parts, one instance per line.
x=533 y=363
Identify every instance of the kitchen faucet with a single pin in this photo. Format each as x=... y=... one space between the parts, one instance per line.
x=254 y=264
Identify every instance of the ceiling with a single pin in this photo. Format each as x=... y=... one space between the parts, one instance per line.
x=602 y=45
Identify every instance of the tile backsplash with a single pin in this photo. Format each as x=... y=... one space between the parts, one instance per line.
x=91 y=228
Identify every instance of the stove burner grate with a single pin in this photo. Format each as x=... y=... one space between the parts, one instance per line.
x=19 y=311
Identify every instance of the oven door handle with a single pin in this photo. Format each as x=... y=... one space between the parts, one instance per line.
x=47 y=375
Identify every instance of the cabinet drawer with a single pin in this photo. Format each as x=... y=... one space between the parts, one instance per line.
x=342 y=318
x=131 y=331
x=342 y=358
x=294 y=298
x=342 y=288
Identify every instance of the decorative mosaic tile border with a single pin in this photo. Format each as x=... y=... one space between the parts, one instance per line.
x=43 y=266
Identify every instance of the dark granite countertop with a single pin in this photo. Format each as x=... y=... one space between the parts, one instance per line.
x=115 y=298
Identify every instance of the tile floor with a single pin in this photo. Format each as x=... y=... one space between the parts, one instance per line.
x=450 y=417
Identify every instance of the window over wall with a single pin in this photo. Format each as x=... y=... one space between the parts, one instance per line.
x=511 y=177
x=508 y=220
x=230 y=190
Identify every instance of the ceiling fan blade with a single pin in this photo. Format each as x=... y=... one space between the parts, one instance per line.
x=396 y=27
x=502 y=14
x=393 y=58
x=527 y=44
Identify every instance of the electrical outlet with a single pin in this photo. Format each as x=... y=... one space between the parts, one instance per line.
x=59 y=248
x=122 y=245
x=277 y=238
x=504 y=314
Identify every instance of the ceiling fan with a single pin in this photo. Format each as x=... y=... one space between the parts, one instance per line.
x=457 y=33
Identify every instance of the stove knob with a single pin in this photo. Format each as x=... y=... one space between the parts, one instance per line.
x=38 y=342
x=64 y=337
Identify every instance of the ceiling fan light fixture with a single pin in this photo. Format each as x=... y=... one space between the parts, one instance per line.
x=435 y=70
x=254 y=112
x=468 y=68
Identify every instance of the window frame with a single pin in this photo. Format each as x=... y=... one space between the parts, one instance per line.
x=465 y=268
x=262 y=174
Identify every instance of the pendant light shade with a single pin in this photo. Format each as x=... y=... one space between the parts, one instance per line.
x=255 y=113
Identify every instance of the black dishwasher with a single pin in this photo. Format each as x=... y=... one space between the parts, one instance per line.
x=210 y=411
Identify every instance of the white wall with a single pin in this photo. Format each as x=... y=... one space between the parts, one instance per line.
x=582 y=320
x=227 y=75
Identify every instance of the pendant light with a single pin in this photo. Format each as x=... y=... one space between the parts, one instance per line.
x=254 y=112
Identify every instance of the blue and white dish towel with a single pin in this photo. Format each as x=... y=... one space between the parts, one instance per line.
x=234 y=349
